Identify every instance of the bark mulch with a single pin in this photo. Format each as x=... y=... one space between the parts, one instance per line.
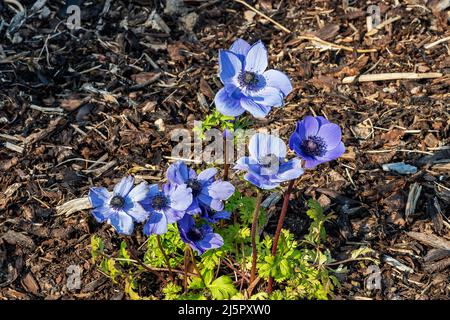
x=83 y=107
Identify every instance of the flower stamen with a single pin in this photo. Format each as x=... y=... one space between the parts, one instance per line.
x=117 y=202
x=159 y=201
x=195 y=185
x=314 y=146
x=195 y=234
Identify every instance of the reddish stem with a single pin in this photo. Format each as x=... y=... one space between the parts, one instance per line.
x=166 y=258
x=276 y=238
x=226 y=165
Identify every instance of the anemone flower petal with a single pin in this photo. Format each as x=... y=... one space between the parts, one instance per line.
x=180 y=197
x=295 y=142
x=207 y=174
x=122 y=222
x=322 y=120
x=185 y=223
x=102 y=213
x=192 y=174
x=290 y=170
x=230 y=66
x=262 y=144
x=210 y=241
x=312 y=162
x=257 y=110
x=210 y=202
x=240 y=48
x=124 y=186
x=139 y=192
x=173 y=215
x=220 y=190
x=243 y=163
x=309 y=126
x=177 y=173
x=194 y=208
x=260 y=181
x=138 y=213
x=99 y=196
x=156 y=224
x=334 y=153
x=331 y=133
x=267 y=96
x=278 y=79
x=227 y=105
x=256 y=59
x=221 y=215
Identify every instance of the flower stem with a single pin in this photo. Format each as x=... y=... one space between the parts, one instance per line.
x=136 y=258
x=276 y=238
x=259 y=196
x=186 y=261
x=195 y=266
x=166 y=259
x=226 y=165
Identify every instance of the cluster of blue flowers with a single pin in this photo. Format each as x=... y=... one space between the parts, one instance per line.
x=249 y=87
x=196 y=201
x=185 y=197
x=314 y=141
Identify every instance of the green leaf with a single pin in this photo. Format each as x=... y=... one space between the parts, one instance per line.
x=171 y=291
x=245 y=206
x=360 y=252
x=130 y=285
x=222 y=288
x=196 y=283
x=123 y=254
x=97 y=247
x=108 y=266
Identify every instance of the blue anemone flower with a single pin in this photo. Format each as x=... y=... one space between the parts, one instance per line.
x=199 y=237
x=120 y=208
x=247 y=84
x=206 y=191
x=316 y=141
x=266 y=166
x=165 y=207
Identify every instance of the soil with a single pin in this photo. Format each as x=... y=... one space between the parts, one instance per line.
x=83 y=107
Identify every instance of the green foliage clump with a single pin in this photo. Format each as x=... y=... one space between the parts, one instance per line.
x=216 y=120
x=300 y=268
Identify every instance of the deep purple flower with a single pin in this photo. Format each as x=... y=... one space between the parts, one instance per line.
x=247 y=84
x=166 y=206
x=199 y=237
x=266 y=167
x=120 y=208
x=316 y=141
x=206 y=191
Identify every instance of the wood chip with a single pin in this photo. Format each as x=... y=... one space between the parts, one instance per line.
x=19 y=239
x=430 y=240
x=391 y=77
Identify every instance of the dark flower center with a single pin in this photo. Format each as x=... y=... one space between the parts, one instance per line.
x=117 y=202
x=159 y=202
x=195 y=234
x=314 y=146
x=270 y=164
x=195 y=185
x=269 y=161
x=249 y=79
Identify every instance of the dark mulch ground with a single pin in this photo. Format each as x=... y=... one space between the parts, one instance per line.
x=113 y=90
